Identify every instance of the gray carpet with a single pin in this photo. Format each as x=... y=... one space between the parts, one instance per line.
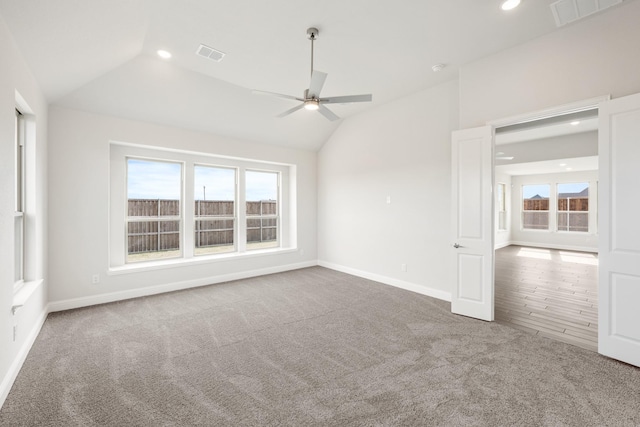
x=311 y=347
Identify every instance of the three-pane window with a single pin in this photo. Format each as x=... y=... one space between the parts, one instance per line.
x=184 y=209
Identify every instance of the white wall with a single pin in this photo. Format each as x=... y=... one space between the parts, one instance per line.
x=554 y=239
x=400 y=150
x=79 y=194
x=593 y=57
x=15 y=76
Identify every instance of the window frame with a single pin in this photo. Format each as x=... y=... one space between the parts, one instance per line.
x=567 y=212
x=119 y=151
x=261 y=216
x=20 y=199
x=140 y=219
x=502 y=206
x=233 y=217
x=523 y=211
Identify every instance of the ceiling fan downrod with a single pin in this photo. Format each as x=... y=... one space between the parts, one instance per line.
x=312 y=34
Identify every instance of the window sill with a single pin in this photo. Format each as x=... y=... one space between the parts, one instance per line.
x=196 y=260
x=23 y=292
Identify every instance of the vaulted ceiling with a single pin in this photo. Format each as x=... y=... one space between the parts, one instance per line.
x=100 y=55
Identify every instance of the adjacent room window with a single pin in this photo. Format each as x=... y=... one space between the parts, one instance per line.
x=153 y=209
x=502 y=206
x=535 y=207
x=573 y=207
x=261 y=194
x=215 y=209
x=19 y=216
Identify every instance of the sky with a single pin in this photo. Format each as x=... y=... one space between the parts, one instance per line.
x=162 y=180
x=542 y=190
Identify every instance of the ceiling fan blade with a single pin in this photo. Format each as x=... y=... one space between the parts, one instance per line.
x=317 y=81
x=327 y=113
x=289 y=111
x=347 y=99
x=279 y=95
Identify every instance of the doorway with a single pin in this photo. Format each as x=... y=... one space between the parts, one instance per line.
x=545 y=262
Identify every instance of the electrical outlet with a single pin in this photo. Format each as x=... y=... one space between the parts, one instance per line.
x=403 y=267
x=95 y=279
x=15 y=332
x=388 y=200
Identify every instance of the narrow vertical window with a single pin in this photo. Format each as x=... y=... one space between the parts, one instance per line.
x=573 y=207
x=261 y=194
x=215 y=210
x=153 y=210
x=535 y=207
x=19 y=216
x=502 y=207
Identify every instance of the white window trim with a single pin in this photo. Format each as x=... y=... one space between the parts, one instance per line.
x=120 y=151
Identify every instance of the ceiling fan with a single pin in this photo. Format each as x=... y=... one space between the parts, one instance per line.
x=311 y=99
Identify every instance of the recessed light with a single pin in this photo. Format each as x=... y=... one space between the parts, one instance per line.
x=575 y=123
x=510 y=4
x=569 y=169
x=562 y=164
x=164 y=54
x=438 y=67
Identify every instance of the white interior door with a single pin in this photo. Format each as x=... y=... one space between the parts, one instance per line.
x=619 y=228
x=472 y=245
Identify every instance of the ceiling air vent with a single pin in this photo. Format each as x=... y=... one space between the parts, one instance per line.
x=210 y=53
x=567 y=11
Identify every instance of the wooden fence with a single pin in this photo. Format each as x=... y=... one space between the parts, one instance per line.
x=576 y=204
x=163 y=234
x=575 y=218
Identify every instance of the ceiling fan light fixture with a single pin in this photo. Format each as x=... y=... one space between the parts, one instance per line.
x=311 y=104
x=509 y=4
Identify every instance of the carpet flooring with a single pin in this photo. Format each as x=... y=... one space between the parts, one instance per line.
x=311 y=347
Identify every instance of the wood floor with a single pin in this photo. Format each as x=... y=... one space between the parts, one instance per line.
x=548 y=292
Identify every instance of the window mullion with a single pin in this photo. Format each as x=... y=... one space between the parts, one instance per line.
x=188 y=211
x=241 y=213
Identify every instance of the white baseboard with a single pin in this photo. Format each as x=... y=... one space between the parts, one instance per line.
x=554 y=246
x=170 y=287
x=502 y=245
x=18 y=361
x=423 y=290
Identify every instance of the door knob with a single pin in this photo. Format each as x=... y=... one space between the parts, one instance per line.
x=455 y=245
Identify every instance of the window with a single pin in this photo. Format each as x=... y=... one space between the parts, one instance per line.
x=262 y=209
x=19 y=216
x=153 y=209
x=535 y=207
x=215 y=209
x=169 y=206
x=573 y=207
x=502 y=206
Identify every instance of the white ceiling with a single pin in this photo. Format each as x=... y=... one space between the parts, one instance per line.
x=548 y=131
x=99 y=55
x=574 y=164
